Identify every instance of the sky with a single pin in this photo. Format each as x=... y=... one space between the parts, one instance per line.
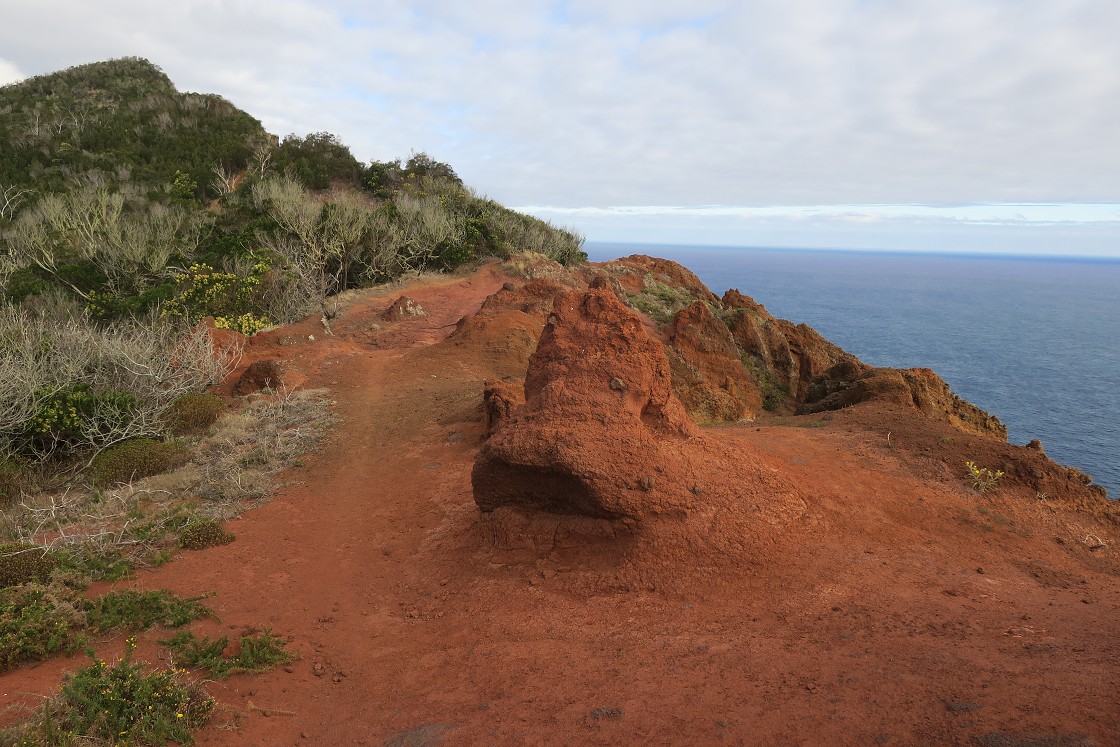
x=932 y=125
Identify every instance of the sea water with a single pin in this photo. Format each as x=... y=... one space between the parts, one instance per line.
x=1034 y=341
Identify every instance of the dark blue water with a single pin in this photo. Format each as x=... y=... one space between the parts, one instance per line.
x=1034 y=341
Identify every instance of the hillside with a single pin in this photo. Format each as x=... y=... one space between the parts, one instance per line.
x=856 y=588
x=521 y=500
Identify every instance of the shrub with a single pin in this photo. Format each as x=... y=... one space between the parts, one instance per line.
x=140 y=610
x=194 y=412
x=37 y=622
x=138 y=458
x=203 y=534
x=21 y=563
x=120 y=704
x=66 y=418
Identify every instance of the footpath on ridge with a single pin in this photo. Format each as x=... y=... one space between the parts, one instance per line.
x=882 y=608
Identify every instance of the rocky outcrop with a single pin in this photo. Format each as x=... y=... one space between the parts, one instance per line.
x=601 y=433
x=509 y=323
x=848 y=383
x=638 y=272
x=262 y=374
x=789 y=355
x=708 y=374
x=403 y=308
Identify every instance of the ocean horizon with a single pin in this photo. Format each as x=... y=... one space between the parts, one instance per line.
x=1032 y=339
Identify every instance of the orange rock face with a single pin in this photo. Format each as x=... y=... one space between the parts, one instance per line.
x=600 y=427
x=708 y=373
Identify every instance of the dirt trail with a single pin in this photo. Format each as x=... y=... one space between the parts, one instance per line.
x=887 y=616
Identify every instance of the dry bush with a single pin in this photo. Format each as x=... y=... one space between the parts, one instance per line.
x=67 y=383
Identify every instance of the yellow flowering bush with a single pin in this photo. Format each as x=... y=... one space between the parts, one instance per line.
x=226 y=296
x=982 y=478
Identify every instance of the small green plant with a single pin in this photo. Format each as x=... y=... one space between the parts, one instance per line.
x=119 y=704
x=21 y=563
x=140 y=457
x=982 y=478
x=203 y=534
x=252 y=653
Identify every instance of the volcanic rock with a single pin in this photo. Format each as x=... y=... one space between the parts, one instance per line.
x=845 y=384
x=263 y=374
x=580 y=445
x=708 y=374
x=789 y=355
x=403 y=308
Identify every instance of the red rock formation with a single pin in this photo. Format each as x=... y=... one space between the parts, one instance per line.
x=847 y=384
x=600 y=433
x=708 y=373
x=261 y=374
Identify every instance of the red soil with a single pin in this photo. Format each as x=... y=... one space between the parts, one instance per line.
x=875 y=599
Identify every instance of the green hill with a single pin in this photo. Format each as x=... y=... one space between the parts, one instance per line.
x=130 y=210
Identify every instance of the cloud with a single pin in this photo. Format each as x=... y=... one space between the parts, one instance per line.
x=577 y=103
x=9 y=73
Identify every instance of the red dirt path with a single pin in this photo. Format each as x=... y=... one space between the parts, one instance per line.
x=888 y=610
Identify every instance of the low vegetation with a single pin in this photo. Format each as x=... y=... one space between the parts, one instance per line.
x=983 y=479
x=251 y=653
x=126 y=703
x=38 y=621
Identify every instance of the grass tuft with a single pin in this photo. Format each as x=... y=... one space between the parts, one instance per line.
x=252 y=653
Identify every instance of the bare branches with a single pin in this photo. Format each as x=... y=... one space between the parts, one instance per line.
x=224 y=181
x=131 y=246
x=10 y=200
x=132 y=371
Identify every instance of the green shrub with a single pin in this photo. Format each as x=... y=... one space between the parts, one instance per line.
x=203 y=534
x=253 y=653
x=119 y=704
x=226 y=296
x=21 y=563
x=68 y=417
x=37 y=622
x=85 y=564
x=138 y=458
x=194 y=412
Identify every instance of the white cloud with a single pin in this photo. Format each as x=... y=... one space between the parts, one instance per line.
x=705 y=102
x=9 y=73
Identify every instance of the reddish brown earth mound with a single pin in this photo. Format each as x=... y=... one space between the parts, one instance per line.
x=857 y=591
x=599 y=424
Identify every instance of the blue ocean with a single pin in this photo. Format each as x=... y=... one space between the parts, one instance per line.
x=1035 y=341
